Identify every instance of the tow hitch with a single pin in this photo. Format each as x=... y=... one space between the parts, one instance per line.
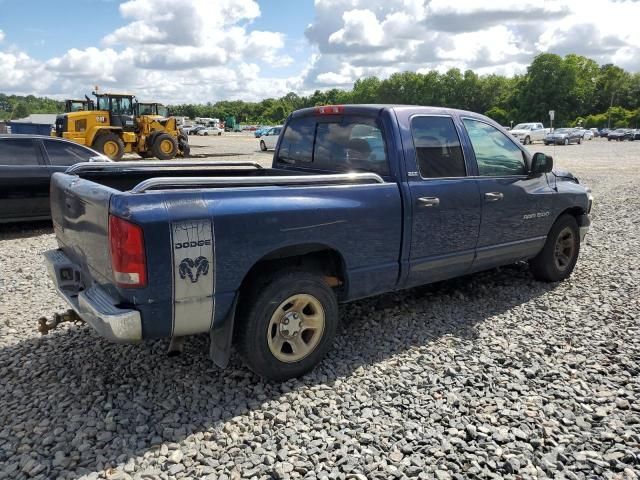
x=44 y=325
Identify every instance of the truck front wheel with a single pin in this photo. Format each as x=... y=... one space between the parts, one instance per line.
x=287 y=324
x=559 y=255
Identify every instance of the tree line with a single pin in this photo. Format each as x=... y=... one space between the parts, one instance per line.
x=577 y=88
x=581 y=92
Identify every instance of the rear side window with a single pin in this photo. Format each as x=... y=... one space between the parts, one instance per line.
x=438 y=149
x=65 y=154
x=337 y=144
x=18 y=152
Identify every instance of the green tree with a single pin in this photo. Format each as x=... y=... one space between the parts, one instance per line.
x=546 y=87
x=20 y=111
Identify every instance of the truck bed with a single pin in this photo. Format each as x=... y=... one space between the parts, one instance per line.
x=124 y=176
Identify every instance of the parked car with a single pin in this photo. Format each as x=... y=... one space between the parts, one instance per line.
x=26 y=165
x=563 y=136
x=528 y=132
x=636 y=134
x=261 y=131
x=270 y=138
x=595 y=132
x=604 y=132
x=331 y=221
x=620 y=135
x=208 y=131
x=194 y=130
x=586 y=134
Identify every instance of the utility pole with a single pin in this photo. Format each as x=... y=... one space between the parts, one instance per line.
x=610 y=107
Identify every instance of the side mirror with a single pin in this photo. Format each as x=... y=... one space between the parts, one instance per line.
x=541 y=163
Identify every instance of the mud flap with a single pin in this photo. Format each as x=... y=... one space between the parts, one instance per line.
x=220 y=337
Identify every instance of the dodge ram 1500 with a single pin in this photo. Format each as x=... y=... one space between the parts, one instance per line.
x=360 y=200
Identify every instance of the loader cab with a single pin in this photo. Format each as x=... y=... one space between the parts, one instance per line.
x=74 y=105
x=121 y=109
x=153 y=109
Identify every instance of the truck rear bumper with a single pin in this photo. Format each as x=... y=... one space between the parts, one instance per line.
x=93 y=305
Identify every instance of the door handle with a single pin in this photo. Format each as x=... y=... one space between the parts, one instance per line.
x=493 y=196
x=429 y=201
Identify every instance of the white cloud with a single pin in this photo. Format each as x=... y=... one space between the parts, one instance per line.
x=193 y=50
x=205 y=50
x=378 y=37
x=361 y=28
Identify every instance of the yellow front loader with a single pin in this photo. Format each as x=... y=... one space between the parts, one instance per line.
x=114 y=128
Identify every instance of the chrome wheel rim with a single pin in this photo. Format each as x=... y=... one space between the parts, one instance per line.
x=564 y=249
x=296 y=327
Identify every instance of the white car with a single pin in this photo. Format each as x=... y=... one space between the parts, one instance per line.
x=528 y=132
x=587 y=134
x=210 y=131
x=270 y=138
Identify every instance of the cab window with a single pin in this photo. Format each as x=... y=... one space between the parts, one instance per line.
x=438 y=149
x=103 y=103
x=496 y=154
x=297 y=144
x=350 y=144
x=18 y=152
x=65 y=154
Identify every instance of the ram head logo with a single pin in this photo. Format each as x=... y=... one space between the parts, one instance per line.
x=193 y=268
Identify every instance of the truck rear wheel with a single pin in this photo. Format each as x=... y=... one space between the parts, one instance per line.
x=164 y=147
x=109 y=144
x=559 y=255
x=287 y=325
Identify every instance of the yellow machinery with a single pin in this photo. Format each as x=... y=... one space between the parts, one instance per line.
x=77 y=105
x=114 y=128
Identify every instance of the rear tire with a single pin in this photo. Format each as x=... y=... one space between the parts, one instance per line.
x=287 y=324
x=560 y=253
x=109 y=144
x=263 y=146
x=164 y=147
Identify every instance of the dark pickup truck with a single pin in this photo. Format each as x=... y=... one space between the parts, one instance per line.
x=360 y=200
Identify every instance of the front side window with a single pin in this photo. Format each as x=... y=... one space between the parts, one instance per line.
x=496 y=154
x=438 y=149
x=18 y=152
x=65 y=154
x=103 y=103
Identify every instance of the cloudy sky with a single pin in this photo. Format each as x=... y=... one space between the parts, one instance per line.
x=178 y=51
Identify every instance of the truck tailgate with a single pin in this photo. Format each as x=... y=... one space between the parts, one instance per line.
x=80 y=214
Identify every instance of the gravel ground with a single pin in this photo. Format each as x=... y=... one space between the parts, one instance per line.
x=488 y=376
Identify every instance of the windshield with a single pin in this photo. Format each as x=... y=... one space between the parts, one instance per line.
x=563 y=130
x=522 y=126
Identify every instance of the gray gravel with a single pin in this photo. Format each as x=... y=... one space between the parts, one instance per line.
x=488 y=376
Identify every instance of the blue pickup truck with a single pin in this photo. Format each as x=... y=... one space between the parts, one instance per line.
x=359 y=200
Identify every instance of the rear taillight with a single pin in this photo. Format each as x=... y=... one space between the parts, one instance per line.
x=126 y=243
x=330 y=110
